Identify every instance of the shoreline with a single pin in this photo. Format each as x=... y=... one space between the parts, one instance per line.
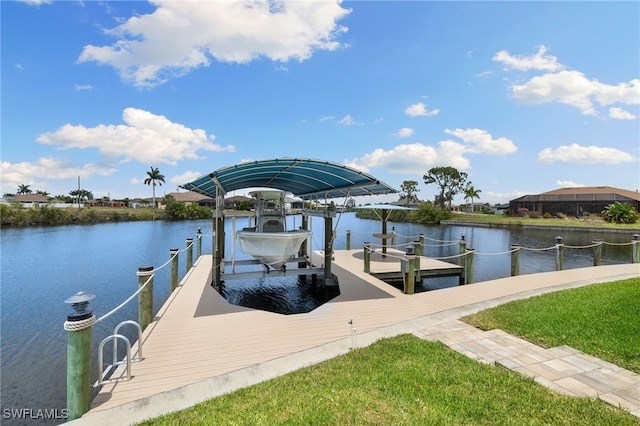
x=522 y=226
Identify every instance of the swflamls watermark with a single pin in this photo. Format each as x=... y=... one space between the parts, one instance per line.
x=35 y=413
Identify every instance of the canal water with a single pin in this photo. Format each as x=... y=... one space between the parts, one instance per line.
x=42 y=267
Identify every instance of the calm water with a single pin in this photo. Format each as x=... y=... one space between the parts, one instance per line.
x=41 y=267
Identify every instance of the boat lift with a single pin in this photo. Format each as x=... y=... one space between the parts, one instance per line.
x=225 y=269
x=306 y=178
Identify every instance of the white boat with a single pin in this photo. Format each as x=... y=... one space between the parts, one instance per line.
x=269 y=241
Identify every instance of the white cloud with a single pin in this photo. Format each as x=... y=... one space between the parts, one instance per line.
x=181 y=36
x=145 y=137
x=569 y=87
x=537 y=61
x=575 y=153
x=568 y=184
x=185 y=177
x=420 y=109
x=47 y=168
x=83 y=87
x=37 y=2
x=480 y=141
x=418 y=158
x=620 y=114
x=405 y=158
x=347 y=120
x=626 y=93
x=404 y=132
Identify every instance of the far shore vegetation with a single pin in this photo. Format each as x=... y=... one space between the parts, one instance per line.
x=15 y=214
x=406 y=380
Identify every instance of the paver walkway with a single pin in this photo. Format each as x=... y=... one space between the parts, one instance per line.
x=563 y=369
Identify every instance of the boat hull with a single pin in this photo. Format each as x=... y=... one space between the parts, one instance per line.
x=272 y=248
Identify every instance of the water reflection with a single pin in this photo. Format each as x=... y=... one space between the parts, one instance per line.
x=282 y=295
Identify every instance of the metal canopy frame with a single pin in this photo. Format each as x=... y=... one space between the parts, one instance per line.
x=303 y=177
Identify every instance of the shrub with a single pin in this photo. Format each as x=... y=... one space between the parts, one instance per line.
x=428 y=214
x=620 y=213
x=547 y=215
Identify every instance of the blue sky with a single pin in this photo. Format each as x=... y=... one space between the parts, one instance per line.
x=525 y=97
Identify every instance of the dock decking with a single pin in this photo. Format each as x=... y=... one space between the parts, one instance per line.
x=200 y=346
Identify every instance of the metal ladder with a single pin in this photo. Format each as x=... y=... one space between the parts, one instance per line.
x=115 y=363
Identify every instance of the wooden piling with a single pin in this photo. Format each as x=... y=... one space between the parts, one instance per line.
x=348 y=240
x=367 y=257
x=78 y=365
x=189 y=254
x=173 y=255
x=635 y=249
x=515 y=260
x=597 y=252
x=468 y=268
x=559 y=254
x=199 y=244
x=145 y=298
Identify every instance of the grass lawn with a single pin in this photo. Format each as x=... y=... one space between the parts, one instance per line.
x=409 y=381
x=602 y=320
x=523 y=221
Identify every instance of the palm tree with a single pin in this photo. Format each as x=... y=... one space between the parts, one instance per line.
x=471 y=192
x=153 y=177
x=24 y=189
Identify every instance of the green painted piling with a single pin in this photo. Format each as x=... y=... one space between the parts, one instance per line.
x=145 y=298
x=173 y=255
x=78 y=367
x=515 y=260
x=367 y=257
x=597 y=252
x=189 y=254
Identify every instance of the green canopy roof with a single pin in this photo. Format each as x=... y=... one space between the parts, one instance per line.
x=305 y=178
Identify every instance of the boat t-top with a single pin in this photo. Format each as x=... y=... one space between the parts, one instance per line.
x=269 y=240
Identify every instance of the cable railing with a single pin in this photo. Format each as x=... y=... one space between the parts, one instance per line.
x=407 y=251
x=80 y=324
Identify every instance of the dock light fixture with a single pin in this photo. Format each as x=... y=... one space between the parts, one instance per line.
x=80 y=303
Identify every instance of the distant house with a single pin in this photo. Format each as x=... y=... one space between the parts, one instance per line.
x=575 y=201
x=189 y=197
x=32 y=200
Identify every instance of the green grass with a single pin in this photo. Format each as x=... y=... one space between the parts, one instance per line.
x=602 y=320
x=409 y=381
x=500 y=220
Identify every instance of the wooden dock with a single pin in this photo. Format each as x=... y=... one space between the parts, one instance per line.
x=200 y=346
x=386 y=266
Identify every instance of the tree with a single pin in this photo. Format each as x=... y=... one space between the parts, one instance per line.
x=450 y=180
x=154 y=176
x=23 y=190
x=81 y=194
x=408 y=190
x=471 y=192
